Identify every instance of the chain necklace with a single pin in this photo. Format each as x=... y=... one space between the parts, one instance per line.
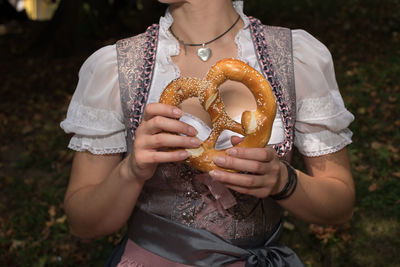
x=204 y=53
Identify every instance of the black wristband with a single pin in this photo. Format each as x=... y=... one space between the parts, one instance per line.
x=290 y=186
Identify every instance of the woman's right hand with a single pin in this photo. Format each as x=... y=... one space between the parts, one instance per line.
x=153 y=137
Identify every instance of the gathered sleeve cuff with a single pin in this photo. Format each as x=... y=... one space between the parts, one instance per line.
x=95 y=115
x=322 y=120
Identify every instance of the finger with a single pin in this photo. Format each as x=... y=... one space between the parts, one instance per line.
x=171 y=140
x=155 y=157
x=236 y=140
x=159 y=109
x=244 y=165
x=264 y=154
x=162 y=124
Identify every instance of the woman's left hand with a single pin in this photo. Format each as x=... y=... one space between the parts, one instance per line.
x=264 y=173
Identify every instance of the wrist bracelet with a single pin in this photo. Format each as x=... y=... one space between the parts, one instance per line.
x=290 y=186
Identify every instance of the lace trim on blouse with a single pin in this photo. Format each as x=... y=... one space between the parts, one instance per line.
x=322 y=143
x=99 y=145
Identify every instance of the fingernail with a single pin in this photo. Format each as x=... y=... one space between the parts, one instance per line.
x=177 y=111
x=231 y=151
x=192 y=131
x=184 y=154
x=219 y=160
x=214 y=173
x=195 y=141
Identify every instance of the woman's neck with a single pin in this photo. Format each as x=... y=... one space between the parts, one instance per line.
x=199 y=21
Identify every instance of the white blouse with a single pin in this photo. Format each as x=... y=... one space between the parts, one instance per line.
x=95 y=113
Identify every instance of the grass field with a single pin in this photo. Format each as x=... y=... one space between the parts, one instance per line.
x=364 y=38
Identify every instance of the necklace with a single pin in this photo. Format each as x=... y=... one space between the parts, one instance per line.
x=204 y=53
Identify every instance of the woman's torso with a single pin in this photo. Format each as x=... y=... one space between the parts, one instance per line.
x=182 y=194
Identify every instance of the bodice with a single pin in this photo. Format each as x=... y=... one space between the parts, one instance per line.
x=178 y=192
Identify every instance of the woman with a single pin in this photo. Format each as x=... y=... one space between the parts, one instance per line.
x=176 y=218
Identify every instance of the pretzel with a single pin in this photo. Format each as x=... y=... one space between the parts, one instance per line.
x=255 y=125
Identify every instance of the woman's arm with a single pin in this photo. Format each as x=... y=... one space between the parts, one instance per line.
x=101 y=194
x=325 y=195
x=103 y=189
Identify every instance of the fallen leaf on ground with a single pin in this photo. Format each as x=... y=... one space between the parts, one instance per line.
x=62 y=219
x=288 y=225
x=376 y=145
x=373 y=187
x=15 y=244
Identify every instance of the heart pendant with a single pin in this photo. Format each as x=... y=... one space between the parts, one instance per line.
x=204 y=53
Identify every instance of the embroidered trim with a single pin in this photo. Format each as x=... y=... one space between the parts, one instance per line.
x=96 y=151
x=257 y=30
x=127 y=261
x=327 y=151
x=145 y=77
x=323 y=142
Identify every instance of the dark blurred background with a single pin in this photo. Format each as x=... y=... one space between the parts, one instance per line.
x=39 y=63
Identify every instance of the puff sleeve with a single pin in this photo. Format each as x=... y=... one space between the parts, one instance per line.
x=95 y=113
x=322 y=120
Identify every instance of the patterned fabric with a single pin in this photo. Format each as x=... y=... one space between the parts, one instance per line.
x=279 y=71
x=135 y=70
